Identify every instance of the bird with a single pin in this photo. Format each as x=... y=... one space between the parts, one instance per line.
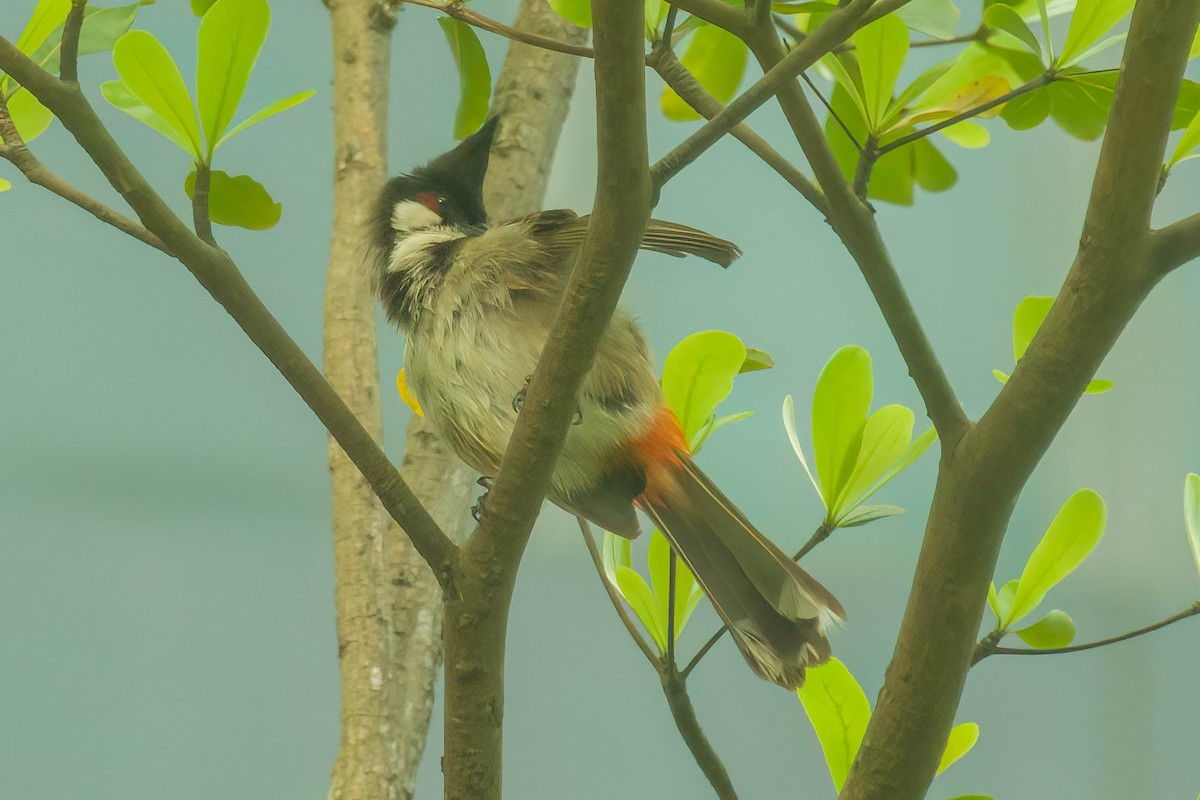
x=475 y=300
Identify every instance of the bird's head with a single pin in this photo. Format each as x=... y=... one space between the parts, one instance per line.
x=446 y=191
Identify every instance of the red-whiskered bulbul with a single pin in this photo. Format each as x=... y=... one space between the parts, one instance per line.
x=476 y=301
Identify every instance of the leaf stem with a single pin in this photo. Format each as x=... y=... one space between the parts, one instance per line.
x=201 y=218
x=671 y=565
x=1037 y=83
x=618 y=606
x=987 y=647
x=866 y=163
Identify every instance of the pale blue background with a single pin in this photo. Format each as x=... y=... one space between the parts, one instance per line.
x=166 y=581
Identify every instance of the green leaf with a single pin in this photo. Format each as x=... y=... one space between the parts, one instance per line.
x=930 y=169
x=1003 y=600
x=713 y=425
x=100 y=30
x=118 y=94
x=30 y=117
x=635 y=591
x=841 y=401
x=659 y=561
x=698 y=374
x=1045 y=18
x=1056 y=629
x=839 y=712
x=1028 y=317
x=201 y=7
x=1191 y=513
x=756 y=360
x=1071 y=537
x=1098 y=386
x=265 y=113
x=150 y=74
x=1028 y=110
x=789 y=425
x=474 y=76
x=1080 y=108
x=1187 y=143
x=4 y=185
x=962 y=738
x=1091 y=20
x=968 y=134
x=1094 y=50
x=578 y=12
x=861 y=515
x=656 y=12
x=238 y=200
x=886 y=435
x=47 y=15
x=717 y=59
x=231 y=36
x=614 y=552
x=881 y=48
x=1004 y=18
x=991 y=599
x=934 y=18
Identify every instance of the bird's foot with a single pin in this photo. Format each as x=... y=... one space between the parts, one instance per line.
x=477 y=510
x=519 y=400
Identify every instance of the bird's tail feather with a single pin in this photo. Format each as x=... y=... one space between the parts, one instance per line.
x=776 y=612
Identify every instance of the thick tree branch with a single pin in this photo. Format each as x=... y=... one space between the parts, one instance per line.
x=854 y=222
x=1177 y=244
x=985 y=649
x=15 y=151
x=221 y=277
x=477 y=612
x=981 y=478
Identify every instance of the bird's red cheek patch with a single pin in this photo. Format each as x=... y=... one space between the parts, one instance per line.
x=430 y=201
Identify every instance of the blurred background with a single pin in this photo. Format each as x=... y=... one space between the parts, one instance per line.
x=166 y=577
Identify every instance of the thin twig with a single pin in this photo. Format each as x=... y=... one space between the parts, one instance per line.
x=1036 y=83
x=820 y=535
x=671 y=562
x=833 y=114
x=68 y=65
x=18 y=153
x=675 y=687
x=684 y=84
x=983 y=650
x=474 y=19
x=669 y=27
x=617 y=605
x=866 y=163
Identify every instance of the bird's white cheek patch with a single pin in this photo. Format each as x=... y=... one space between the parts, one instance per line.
x=409 y=215
x=410 y=249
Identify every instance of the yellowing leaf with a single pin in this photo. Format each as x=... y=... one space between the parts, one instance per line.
x=839 y=712
x=962 y=738
x=4 y=185
x=972 y=95
x=406 y=394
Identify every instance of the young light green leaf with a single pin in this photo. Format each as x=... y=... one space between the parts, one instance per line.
x=881 y=48
x=717 y=59
x=4 y=185
x=992 y=600
x=47 y=15
x=861 y=515
x=1045 y=18
x=1187 y=143
x=635 y=591
x=118 y=94
x=30 y=117
x=1004 y=601
x=886 y=435
x=474 y=76
x=266 y=112
x=789 y=425
x=238 y=200
x=698 y=374
x=1091 y=20
x=970 y=135
x=201 y=7
x=755 y=360
x=962 y=738
x=914 y=451
x=658 y=558
x=1030 y=314
x=1098 y=386
x=1056 y=629
x=1096 y=49
x=100 y=30
x=934 y=18
x=1191 y=514
x=1071 y=537
x=231 y=36
x=577 y=11
x=1005 y=18
x=839 y=712
x=614 y=552
x=655 y=13
x=841 y=401
x=713 y=425
x=150 y=74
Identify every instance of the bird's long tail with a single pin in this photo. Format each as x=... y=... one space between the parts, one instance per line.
x=776 y=611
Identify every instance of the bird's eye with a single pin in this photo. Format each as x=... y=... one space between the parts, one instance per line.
x=433 y=202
